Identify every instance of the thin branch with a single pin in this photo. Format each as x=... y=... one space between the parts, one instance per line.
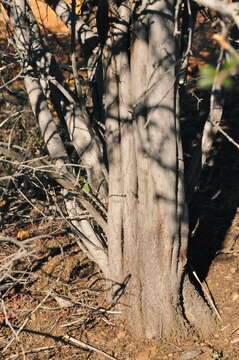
x=223 y=7
x=10 y=116
x=8 y=323
x=60 y=87
x=34 y=351
x=84 y=345
x=27 y=319
x=82 y=30
x=207 y=294
x=228 y=137
x=11 y=80
x=215 y=114
x=29 y=202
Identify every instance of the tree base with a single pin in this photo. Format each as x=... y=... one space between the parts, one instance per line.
x=186 y=316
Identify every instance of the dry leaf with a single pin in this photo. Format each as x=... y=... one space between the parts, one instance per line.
x=23 y=234
x=63 y=303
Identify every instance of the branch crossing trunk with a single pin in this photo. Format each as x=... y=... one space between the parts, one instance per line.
x=139 y=181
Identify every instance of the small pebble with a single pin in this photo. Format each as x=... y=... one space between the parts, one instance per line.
x=235 y=295
x=234 y=341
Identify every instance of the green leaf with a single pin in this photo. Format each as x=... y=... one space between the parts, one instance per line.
x=208 y=74
x=85 y=188
x=231 y=64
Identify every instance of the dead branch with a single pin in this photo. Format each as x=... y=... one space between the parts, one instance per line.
x=223 y=7
x=34 y=351
x=82 y=30
x=87 y=346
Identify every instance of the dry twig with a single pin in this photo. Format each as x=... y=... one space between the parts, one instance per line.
x=84 y=345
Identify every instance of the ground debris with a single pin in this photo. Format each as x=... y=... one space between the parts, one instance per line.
x=191 y=354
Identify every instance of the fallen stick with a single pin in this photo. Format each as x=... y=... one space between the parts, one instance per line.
x=87 y=346
x=33 y=351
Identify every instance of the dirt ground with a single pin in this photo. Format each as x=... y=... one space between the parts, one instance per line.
x=60 y=306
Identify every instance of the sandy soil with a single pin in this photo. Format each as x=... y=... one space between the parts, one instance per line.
x=62 y=295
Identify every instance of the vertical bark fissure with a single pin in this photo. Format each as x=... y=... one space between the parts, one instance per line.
x=125 y=119
x=113 y=139
x=182 y=209
x=163 y=151
x=138 y=61
x=129 y=171
x=147 y=217
x=160 y=144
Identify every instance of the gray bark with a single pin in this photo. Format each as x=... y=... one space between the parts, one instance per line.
x=115 y=200
x=159 y=136
x=29 y=45
x=162 y=228
x=139 y=59
x=88 y=239
x=64 y=11
x=43 y=115
x=147 y=230
x=27 y=49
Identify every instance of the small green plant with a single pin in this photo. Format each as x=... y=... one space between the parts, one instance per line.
x=85 y=187
x=209 y=75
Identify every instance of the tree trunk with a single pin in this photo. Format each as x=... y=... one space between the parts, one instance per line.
x=145 y=258
x=157 y=292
